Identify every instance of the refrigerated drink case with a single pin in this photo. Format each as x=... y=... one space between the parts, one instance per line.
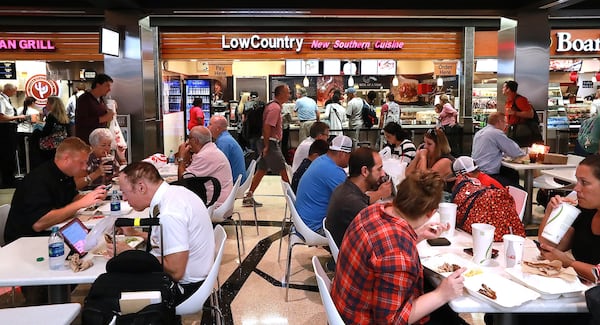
x=172 y=94
x=198 y=88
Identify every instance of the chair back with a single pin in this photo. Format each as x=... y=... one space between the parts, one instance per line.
x=195 y=302
x=574 y=159
x=197 y=184
x=246 y=185
x=4 y=209
x=333 y=316
x=226 y=209
x=332 y=245
x=287 y=188
x=289 y=171
x=311 y=238
x=520 y=197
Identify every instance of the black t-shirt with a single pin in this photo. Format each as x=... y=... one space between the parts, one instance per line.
x=585 y=243
x=346 y=201
x=44 y=189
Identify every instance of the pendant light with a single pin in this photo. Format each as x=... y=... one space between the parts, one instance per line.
x=350 y=81
x=395 y=81
x=305 y=82
x=440 y=82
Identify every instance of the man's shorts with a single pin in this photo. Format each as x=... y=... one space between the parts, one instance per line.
x=273 y=160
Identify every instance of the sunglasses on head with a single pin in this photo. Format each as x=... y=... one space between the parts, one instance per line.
x=432 y=133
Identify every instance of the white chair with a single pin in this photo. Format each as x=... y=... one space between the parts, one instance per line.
x=4 y=209
x=332 y=245
x=299 y=234
x=333 y=316
x=547 y=182
x=286 y=217
x=241 y=192
x=224 y=214
x=520 y=197
x=196 y=301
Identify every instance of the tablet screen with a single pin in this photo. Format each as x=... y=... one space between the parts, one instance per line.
x=74 y=234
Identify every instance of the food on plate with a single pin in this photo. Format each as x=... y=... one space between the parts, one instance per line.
x=473 y=272
x=447 y=267
x=487 y=291
x=108 y=238
x=545 y=267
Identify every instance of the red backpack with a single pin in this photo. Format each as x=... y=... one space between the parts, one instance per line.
x=482 y=204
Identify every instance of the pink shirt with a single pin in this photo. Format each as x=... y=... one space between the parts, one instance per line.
x=210 y=161
x=448 y=115
x=272 y=117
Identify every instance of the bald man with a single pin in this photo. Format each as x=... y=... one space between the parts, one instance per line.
x=227 y=144
x=200 y=157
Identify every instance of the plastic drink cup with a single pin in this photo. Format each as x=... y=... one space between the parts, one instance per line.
x=559 y=221
x=108 y=159
x=447 y=213
x=483 y=237
x=513 y=249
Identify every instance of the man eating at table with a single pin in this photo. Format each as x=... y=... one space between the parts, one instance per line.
x=47 y=196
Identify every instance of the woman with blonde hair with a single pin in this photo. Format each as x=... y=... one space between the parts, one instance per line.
x=56 y=128
x=434 y=155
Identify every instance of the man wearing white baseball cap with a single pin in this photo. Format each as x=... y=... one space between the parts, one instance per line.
x=465 y=165
x=320 y=179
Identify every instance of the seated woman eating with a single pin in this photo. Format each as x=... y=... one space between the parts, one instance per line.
x=435 y=155
x=102 y=164
x=399 y=141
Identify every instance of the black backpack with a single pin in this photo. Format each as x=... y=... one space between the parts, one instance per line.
x=252 y=127
x=133 y=270
x=369 y=116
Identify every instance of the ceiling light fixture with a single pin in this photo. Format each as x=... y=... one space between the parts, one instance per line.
x=395 y=81
x=350 y=81
x=305 y=82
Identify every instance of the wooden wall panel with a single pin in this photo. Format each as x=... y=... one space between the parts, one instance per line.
x=486 y=44
x=417 y=45
x=69 y=46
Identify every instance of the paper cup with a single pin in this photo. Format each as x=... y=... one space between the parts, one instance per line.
x=483 y=237
x=447 y=213
x=108 y=159
x=513 y=249
x=559 y=221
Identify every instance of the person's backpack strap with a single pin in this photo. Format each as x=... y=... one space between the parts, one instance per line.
x=473 y=197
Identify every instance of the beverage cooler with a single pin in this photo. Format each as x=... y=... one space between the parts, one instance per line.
x=172 y=92
x=198 y=88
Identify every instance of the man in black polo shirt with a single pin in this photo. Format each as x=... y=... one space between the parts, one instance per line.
x=365 y=174
x=47 y=196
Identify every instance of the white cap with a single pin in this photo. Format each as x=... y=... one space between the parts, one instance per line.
x=463 y=164
x=341 y=143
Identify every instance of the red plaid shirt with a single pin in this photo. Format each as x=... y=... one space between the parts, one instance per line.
x=378 y=273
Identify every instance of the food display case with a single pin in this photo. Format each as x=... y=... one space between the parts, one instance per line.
x=484 y=102
x=418 y=115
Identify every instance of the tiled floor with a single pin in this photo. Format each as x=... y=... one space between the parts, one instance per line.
x=252 y=292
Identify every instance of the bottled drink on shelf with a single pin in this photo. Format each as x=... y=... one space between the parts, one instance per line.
x=56 y=250
x=115 y=202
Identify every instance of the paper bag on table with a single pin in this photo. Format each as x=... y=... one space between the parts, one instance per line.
x=551 y=269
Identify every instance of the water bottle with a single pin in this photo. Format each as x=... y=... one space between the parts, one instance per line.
x=56 y=250
x=171 y=157
x=115 y=202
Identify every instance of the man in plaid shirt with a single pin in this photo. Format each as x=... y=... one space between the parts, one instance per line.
x=379 y=277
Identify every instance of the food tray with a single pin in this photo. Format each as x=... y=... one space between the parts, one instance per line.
x=434 y=262
x=549 y=288
x=509 y=294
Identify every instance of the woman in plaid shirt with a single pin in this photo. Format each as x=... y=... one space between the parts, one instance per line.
x=379 y=277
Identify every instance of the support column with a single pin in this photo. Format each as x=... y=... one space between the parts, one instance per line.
x=467 y=87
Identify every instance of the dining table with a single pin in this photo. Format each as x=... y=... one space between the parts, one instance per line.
x=564 y=174
x=56 y=314
x=528 y=169
x=25 y=263
x=469 y=302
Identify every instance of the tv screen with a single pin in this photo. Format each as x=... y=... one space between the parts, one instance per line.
x=109 y=42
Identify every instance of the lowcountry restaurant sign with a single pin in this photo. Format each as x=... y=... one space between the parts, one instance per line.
x=580 y=42
x=40 y=45
x=258 y=42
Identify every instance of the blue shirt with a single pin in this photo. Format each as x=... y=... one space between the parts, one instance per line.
x=306 y=108
x=232 y=150
x=315 y=188
x=489 y=145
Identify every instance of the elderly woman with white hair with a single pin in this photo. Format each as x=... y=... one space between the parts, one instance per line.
x=103 y=163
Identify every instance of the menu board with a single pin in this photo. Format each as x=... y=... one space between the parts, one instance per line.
x=332 y=67
x=8 y=70
x=369 y=67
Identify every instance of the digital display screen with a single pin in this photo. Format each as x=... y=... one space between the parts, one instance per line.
x=74 y=234
x=109 y=42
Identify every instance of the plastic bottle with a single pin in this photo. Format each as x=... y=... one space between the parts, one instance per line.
x=171 y=157
x=56 y=249
x=115 y=202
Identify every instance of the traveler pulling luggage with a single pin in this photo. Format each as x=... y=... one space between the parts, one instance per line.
x=132 y=271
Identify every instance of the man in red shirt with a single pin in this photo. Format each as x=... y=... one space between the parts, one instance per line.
x=519 y=112
x=466 y=165
x=91 y=112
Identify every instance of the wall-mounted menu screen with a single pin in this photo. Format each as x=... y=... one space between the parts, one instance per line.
x=294 y=67
x=351 y=68
x=368 y=67
x=386 y=67
x=312 y=67
x=109 y=42
x=332 y=67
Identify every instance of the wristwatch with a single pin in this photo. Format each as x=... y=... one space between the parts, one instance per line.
x=179 y=160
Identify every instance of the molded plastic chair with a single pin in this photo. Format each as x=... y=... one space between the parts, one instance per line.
x=547 y=182
x=332 y=245
x=241 y=192
x=4 y=209
x=333 y=316
x=520 y=197
x=224 y=214
x=196 y=301
x=299 y=234
x=286 y=217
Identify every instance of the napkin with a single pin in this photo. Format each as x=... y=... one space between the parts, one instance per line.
x=78 y=265
x=551 y=269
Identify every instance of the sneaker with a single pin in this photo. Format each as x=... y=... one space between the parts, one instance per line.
x=250 y=202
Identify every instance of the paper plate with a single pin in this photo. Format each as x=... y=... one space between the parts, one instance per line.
x=104 y=209
x=549 y=288
x=435 y=262
x=509 y=294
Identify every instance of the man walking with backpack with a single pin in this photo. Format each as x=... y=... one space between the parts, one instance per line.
x=270 y=143
x=523 y=124
x=354 y=111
